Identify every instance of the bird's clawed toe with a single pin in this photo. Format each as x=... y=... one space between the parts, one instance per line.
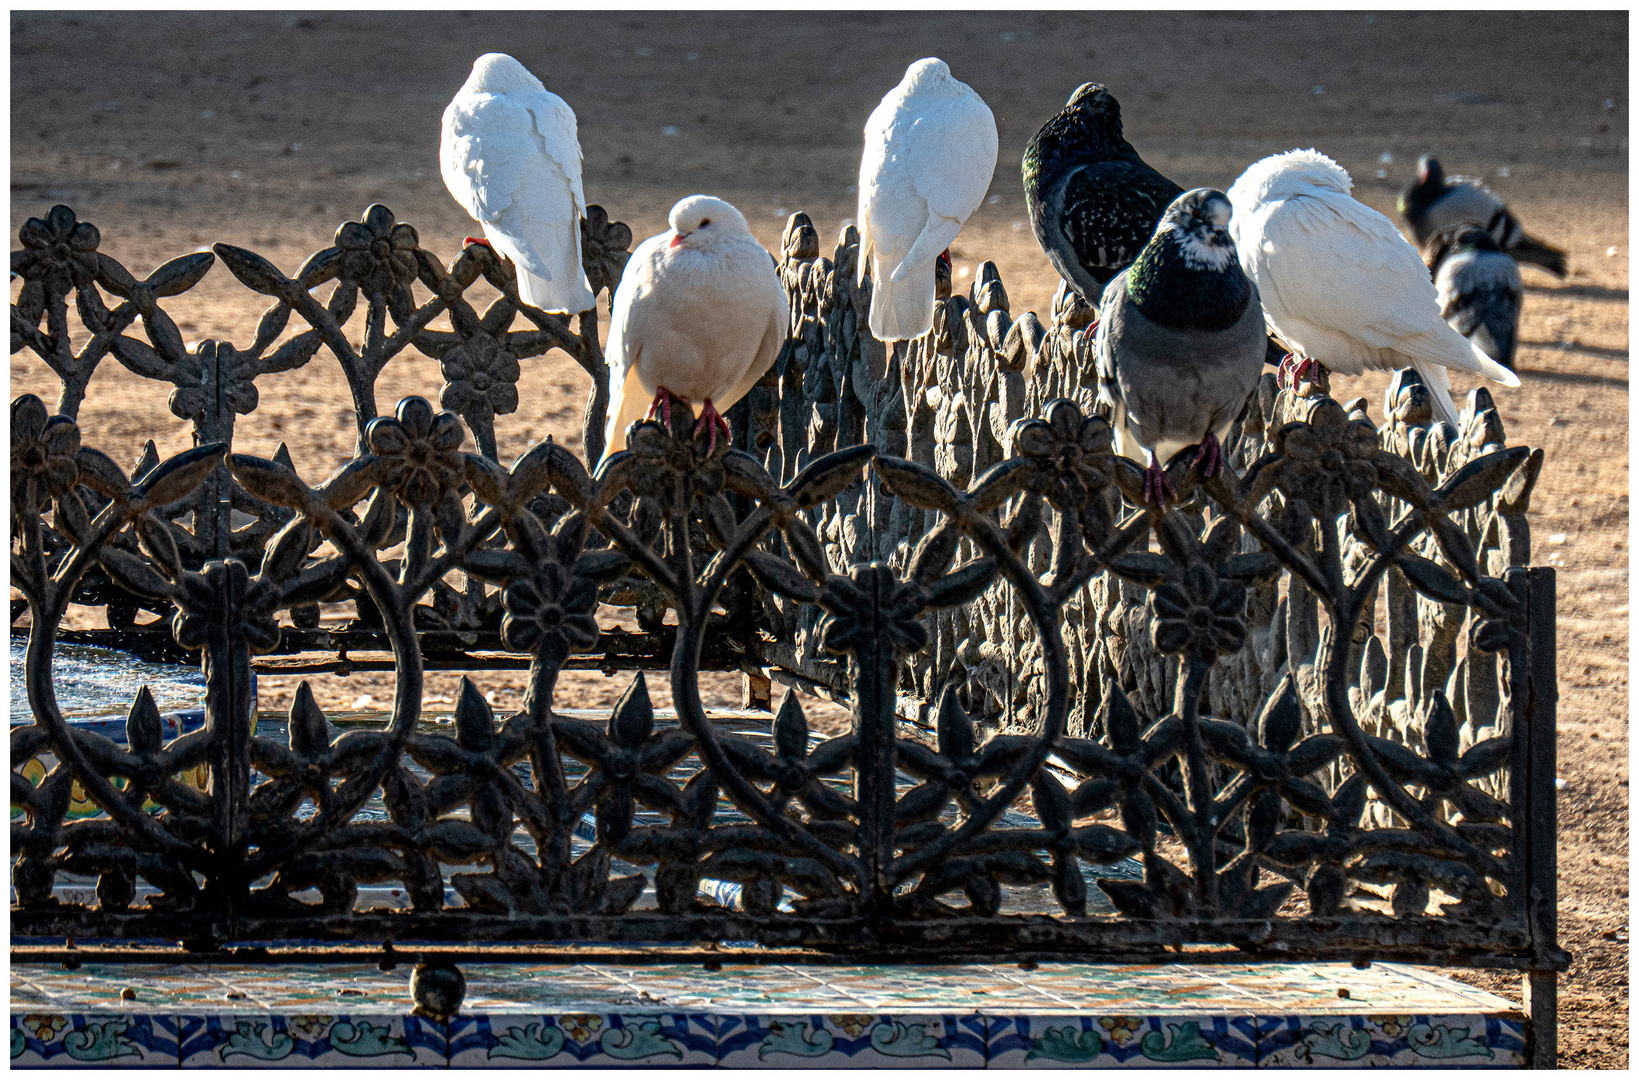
x=1157 y=488
x=1209 y=455
x=662 y=404
x=712 y=421
x=1294 y=369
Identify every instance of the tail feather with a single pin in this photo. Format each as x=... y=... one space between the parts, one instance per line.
x=570 y=296
x=902 y=309
x=627 y=404
x=1530 y=249
x=557 y=283
x=1488 y=367
x=1438 y=381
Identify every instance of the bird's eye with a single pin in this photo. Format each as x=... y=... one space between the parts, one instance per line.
x=704 y=222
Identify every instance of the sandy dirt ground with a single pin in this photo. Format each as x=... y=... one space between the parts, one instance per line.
x=267 y=130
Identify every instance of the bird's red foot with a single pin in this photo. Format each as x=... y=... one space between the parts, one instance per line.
x=1157 y=488
x=471 y=240
x=1296 y=368
x=712 y=420
x=662 y=404
x=1209 y=455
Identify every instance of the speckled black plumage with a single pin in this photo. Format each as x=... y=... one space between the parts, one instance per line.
x=1093 y=201
x=1173 y=293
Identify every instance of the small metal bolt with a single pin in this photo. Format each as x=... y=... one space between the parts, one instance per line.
x=437 y=988
x=128 y=994
x=1343 y=992
x=1027 y=965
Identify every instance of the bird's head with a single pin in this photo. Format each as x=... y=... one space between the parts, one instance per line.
x=498 y=73
x=1429 y=172
x=699 y=220
x=928 y=70
x=1453 y=240
x=1090 y=122
x=1199 y=221
x=1093 y=107
x=1089 y=93
x=1289 y=175
x=1469 y=236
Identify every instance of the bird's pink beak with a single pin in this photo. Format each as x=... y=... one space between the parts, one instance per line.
x=677 y=239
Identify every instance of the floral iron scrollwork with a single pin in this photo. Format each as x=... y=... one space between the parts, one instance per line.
x=1213 y=736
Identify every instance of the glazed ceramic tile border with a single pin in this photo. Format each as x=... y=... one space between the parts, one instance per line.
x=1172 y=1040
x=851 y=1041
x=1059 y=1015
x=92 y=1040
x=317 y=1040
x=600 y=1040
x=765 y=1040
x=1350 y=1040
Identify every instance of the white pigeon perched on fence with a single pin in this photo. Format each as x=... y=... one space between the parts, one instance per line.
x=699 y=316
x=1338 y=282
x=511 y=158
x=930 y=152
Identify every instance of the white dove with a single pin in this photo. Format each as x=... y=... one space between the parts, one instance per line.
x=510 y=157
x=699 y=316
x=1338 y=282
x=930 y=151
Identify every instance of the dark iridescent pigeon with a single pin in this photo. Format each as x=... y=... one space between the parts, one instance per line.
x=1093 y=201
x=1479 y=288
x=1439 y=202
x=1180 y=341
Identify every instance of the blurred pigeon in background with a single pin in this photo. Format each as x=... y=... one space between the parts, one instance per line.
x=1093 y=201
x=1479 y=288
x=1439 y=202
x=1180 y=341
x=930 y=152
x=699 y=316
x=1339 y=284
x=510 y=157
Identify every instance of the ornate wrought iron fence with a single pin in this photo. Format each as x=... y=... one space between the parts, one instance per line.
x=1311 y=709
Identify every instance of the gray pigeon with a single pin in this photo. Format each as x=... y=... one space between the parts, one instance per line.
x=1180 y=341
x=1437 y=201
x=1479 y=288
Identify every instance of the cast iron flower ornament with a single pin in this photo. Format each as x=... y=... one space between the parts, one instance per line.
x=1199 y=615
x=378 y=254
x=672 y=467
x=874 y=608
x=1329 y=461
x=421 y=450
x=188 y=399
x=604 y=248
x=59 y=254
x=480 y=378
x=1073 y=457
x=44 y=450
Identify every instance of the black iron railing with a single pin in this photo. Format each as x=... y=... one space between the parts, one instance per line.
x=1307 y=714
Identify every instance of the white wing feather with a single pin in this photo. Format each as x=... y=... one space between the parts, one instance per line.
x=1341 y=283
x=622 y=350
x=513 y=161
x=950 y=156
x=928 y=161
